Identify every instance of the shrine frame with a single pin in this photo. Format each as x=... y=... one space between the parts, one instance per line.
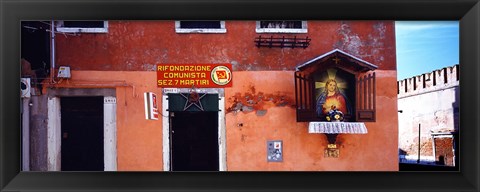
x=365 y=85
x=466 y=180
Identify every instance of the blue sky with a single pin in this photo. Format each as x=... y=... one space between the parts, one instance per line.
x=424 y=46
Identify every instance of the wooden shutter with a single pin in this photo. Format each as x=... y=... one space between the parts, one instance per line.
x=365 y=97
x=304 y=98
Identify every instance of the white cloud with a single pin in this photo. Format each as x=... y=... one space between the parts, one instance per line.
x=408 y=27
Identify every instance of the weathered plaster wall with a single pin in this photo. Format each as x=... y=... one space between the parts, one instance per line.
x=139 y=141
x=258 y=120
x=434 y=107
x=140 y=45
x=126 y=56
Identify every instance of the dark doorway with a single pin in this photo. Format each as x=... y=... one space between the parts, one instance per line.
x=194 y=141
x=444 y=151
x=82 y=133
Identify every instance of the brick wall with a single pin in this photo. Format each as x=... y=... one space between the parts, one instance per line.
x=429 y=102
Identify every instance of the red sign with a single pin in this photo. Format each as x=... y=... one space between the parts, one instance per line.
x=198 y=75
x=151 y=108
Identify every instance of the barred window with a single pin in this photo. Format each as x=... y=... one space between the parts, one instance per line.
x=281 y=27
x=82 y=26
x=200 y=27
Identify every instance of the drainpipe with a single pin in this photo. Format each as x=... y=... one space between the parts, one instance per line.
x=418 y=161
x=433 y=147
x=52 y=52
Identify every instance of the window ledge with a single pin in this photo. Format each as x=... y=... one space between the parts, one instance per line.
x=273 y=30
x=82 y=30
x=178 y=30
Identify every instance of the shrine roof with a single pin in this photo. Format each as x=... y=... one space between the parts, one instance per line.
x=360 y=64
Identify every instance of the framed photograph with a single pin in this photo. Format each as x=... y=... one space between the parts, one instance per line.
x=227 y=78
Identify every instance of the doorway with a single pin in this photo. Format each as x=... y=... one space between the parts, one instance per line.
x=194 y=141
x=82 y=133
x=444 y=150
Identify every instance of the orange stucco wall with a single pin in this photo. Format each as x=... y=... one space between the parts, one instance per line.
x=139 y=141
x=125 y=58
x=303 y=151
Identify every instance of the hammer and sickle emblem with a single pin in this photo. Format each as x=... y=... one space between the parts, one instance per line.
x=221 y=74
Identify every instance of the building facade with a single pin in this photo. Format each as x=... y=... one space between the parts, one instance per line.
x=92 y=115
x=429 y=117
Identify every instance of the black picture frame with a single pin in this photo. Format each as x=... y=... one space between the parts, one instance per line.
x=12 y=12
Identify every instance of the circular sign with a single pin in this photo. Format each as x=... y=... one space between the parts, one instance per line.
x=221 y=75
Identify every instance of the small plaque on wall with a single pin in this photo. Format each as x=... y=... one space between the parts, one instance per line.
x=274 y=151
x=151 y=108
x=332 y=152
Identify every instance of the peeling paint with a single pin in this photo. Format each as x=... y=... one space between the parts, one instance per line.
x=259 y=102
x=381 y=29
x=441 y=118
x=350 y=41
x=130 y=44
x=148 y=67
x=261 y=112
x=234 y=63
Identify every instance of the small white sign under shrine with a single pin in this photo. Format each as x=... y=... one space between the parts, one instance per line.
x=337 y=127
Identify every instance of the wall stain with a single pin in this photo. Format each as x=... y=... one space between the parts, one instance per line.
x=259 y=102
x=340 y=141
x=243 y=138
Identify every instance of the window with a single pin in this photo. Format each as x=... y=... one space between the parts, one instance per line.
x=281 y=27
x=335 y=80
x=82 y=26
x=200 y=27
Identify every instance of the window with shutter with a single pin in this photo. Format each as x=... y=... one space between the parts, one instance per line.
x=335 y=80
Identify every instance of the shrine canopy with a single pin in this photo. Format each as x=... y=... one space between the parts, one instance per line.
x=337 y=58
